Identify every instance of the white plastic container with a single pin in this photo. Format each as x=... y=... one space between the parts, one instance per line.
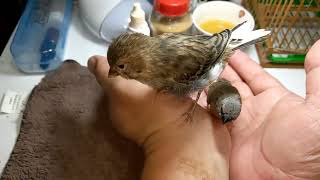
x=138 y=21
x=107 y=19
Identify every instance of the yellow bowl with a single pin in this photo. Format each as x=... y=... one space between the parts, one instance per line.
x=222 y=10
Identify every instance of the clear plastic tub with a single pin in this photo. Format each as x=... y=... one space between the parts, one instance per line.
x=38 y=44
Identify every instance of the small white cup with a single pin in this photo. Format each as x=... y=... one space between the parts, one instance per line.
x=222 y=10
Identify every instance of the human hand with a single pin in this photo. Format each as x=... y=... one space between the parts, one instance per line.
x=277 y=135
x=174 y=148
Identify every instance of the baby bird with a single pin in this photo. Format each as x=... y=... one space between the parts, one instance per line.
x=179 y=64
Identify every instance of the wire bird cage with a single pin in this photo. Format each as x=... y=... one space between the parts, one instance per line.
x=295 y=26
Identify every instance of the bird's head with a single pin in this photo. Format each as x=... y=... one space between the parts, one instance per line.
x=126 y=56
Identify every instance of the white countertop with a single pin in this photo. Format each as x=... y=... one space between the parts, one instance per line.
x=80 y=46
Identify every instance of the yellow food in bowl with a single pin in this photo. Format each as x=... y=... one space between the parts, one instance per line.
x=216 y=25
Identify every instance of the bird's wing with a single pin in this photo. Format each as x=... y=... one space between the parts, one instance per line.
x=217 y=45
x=192 y=56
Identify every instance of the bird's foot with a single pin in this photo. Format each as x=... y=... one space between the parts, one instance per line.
x=189 y=116
x=192 y=110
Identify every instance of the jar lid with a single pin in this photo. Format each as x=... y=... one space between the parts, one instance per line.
x=172 y=7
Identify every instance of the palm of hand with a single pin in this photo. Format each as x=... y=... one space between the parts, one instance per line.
x=277 y=133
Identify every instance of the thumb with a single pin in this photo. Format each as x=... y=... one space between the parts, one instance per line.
x=98 y=65
x=312 y=67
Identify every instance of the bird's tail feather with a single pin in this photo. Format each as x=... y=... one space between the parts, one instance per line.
x=246 y=44
x=237 y=26
x=243 y=40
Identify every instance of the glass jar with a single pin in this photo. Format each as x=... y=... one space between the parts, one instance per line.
x=171 y=16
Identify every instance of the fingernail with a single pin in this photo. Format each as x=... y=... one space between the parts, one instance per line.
x=92 y=63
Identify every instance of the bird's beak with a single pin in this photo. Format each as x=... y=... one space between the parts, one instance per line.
x=113 y=73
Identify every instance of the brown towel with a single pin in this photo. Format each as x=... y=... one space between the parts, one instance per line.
x=66 y=133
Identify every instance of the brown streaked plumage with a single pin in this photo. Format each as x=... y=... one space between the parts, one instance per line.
x=175 y=63
x=178 y=64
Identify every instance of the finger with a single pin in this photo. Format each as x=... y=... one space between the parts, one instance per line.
x=98 y=65
x=245 y=92
x=312 y=67
x=231 y=75
x=257 y=79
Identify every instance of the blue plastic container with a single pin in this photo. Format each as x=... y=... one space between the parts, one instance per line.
x=38 y=44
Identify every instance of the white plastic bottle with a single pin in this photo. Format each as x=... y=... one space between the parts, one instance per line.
x=138 y=22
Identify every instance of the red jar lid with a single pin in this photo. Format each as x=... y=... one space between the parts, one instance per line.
x=172 y=7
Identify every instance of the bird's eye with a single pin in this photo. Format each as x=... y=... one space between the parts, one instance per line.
x=121 y=66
